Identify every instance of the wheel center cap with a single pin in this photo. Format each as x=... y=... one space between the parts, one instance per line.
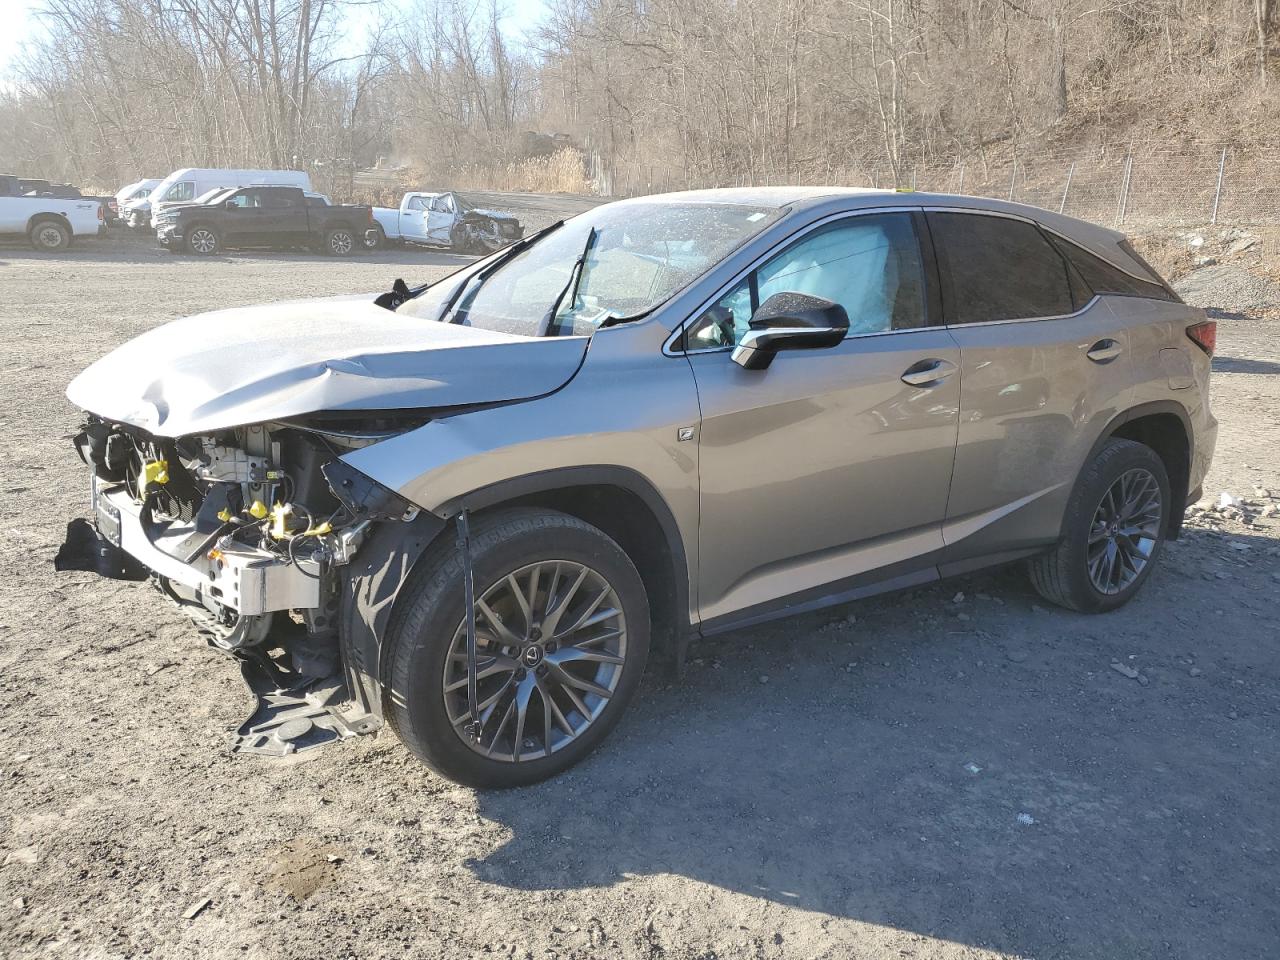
x=532 y=656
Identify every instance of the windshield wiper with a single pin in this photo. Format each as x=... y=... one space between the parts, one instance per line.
x=575 y=278
x=483 y=275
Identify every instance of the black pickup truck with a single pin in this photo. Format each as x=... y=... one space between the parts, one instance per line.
x=272 y=217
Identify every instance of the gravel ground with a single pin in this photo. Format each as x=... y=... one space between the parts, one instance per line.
x=956 y=771
x=1229 y=288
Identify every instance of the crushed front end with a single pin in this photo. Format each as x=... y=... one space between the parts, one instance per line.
x=253 y=531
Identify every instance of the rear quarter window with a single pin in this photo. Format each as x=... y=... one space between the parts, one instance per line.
x=997 y=268
x=1103 y=277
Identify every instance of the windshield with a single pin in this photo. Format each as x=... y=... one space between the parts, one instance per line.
x=633 y=257
x=210 y=195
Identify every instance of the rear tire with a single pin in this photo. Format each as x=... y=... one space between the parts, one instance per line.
x=426 y=649
x=379 y=239
x=49 y=236
x=1113 y=531
x=339 y=242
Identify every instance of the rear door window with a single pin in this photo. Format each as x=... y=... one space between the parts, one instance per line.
x=997 y=268
x=279 y=199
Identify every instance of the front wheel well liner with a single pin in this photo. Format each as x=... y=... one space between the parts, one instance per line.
x=626 y=507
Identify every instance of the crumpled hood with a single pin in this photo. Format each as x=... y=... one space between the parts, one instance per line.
x=248 y=365
x=491 y=214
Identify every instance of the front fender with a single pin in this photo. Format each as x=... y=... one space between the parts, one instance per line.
x=622 y=414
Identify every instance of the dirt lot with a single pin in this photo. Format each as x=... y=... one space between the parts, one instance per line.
x=957 y=771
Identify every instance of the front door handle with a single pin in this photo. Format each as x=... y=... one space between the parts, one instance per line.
x=1103 y=351
x=926 y=372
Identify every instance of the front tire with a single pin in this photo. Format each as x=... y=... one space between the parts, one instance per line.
x=204 y=241
x=379 y=239
x=1113 y=531
x=50 y=236
x=562 y=628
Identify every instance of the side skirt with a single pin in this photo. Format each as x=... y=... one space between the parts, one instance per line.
x=861 y=587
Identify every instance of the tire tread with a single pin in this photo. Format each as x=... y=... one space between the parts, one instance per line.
x=1054 y=574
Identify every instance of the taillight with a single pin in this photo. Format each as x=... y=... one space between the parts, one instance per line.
x=101 y=215
x=1205 y=335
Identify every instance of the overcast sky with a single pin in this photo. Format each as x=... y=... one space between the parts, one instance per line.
x=16 y=15
x=21 y=25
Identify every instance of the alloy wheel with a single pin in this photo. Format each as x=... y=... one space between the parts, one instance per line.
x=341 y=243
x=1125 y=530
x=203 y=241
x=551 y=644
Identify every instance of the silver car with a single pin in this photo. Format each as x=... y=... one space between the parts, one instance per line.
x=475 y=509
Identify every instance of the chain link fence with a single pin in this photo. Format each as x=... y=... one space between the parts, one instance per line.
x=1133 y=186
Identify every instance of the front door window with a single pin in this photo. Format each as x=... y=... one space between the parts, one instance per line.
x=870 y=265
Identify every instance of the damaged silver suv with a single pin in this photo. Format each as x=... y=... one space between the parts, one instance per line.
x=474 y=509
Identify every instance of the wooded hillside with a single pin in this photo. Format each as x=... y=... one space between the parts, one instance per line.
x=697 y=91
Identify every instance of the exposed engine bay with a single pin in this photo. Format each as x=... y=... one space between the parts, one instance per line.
x=248 y=530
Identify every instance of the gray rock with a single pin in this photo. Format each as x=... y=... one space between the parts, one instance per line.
x=1230 y=288
x=24 y=855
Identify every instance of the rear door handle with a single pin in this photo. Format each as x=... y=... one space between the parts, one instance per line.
x=924 y=372
x=1103 y=351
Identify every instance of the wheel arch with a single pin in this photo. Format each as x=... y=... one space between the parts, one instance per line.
x=38 y=218
x=1165 y=427
x=625 y=506
x=619 y=501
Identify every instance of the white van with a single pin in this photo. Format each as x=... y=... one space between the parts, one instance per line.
x=135 y=191
x=132 y=205
x=183 y=186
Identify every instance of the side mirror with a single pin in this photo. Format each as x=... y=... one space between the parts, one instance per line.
x=790 y=321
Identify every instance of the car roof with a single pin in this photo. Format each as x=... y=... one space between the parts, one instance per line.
x=813 y=202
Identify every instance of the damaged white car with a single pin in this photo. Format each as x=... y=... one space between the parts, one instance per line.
x=466 y=509
x=443 y=220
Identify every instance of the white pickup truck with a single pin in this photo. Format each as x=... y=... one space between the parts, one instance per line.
x=444 y=220
x=50 y=223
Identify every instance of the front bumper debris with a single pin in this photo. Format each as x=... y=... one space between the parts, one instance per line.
x=295 y=714
x=223 y=573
